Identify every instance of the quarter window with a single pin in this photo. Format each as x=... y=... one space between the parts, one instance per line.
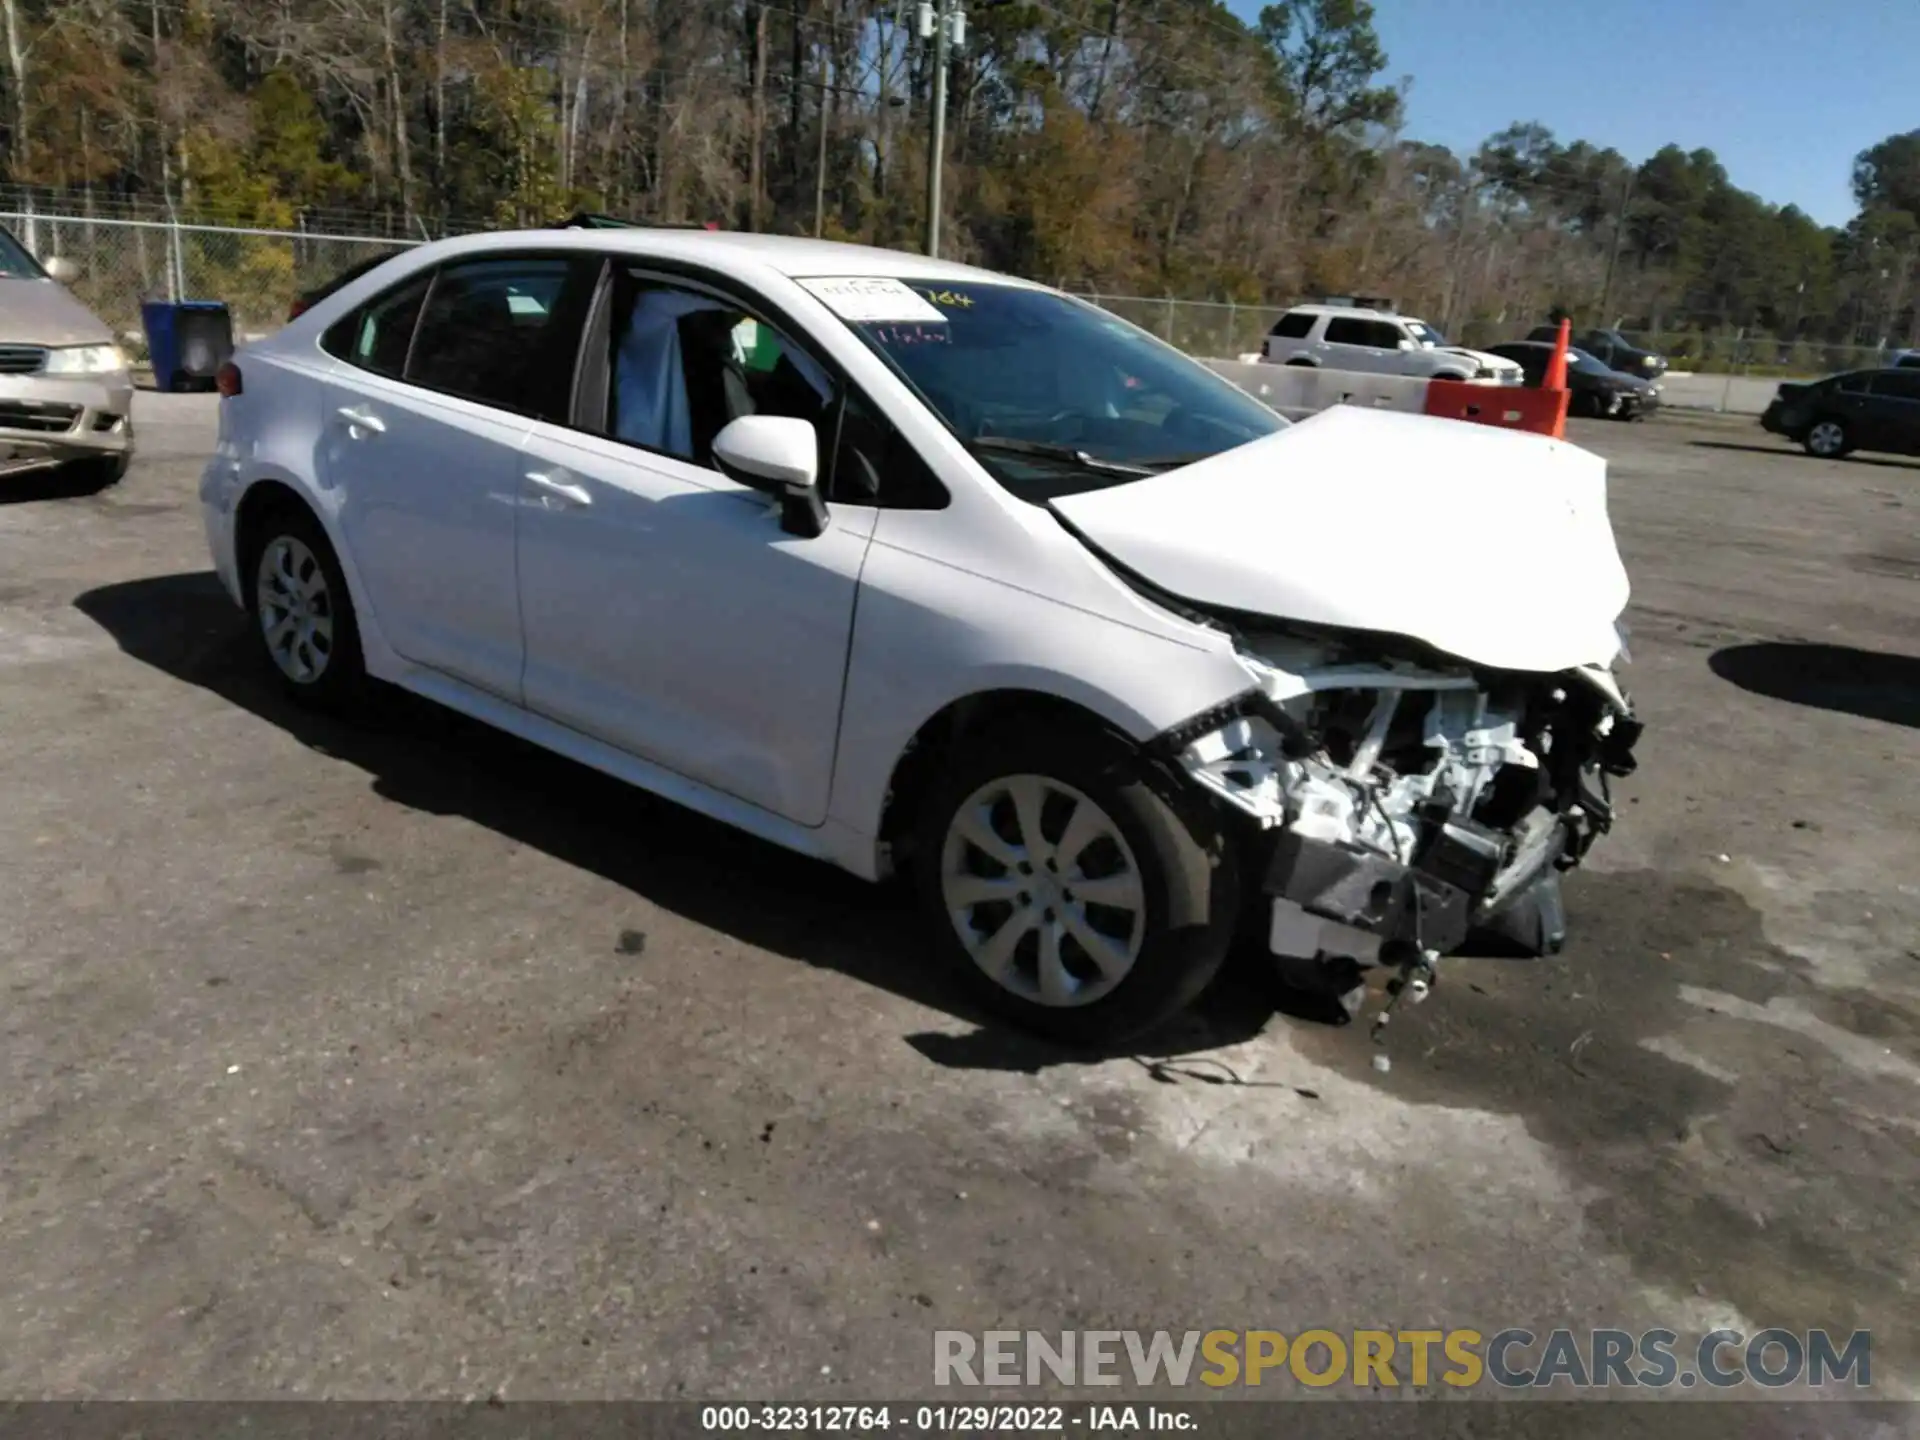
x=376 y=336
x=1296 y=325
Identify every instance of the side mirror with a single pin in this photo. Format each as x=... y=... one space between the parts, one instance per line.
x=62 y=269
x=778 y=456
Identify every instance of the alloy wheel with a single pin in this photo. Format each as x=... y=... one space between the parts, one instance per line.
x=1043 y=890
x=295 y=608
x=1826 y=438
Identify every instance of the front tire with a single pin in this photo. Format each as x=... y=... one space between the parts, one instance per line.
x=302 y=613
x=1827 y=440
x=99 y=472
x=1072 y=887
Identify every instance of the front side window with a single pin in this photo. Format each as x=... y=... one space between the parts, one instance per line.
x=1346 y=330
x=504 y=332
x=1051 y=394
x=686 y=363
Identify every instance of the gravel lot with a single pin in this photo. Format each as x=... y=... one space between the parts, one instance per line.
x=401 y=1060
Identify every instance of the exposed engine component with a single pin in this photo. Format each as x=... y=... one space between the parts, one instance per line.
x=1401 y=805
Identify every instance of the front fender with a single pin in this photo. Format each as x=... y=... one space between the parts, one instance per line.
x=927 y=636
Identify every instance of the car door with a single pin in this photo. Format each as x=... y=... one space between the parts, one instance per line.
x=665 y=610
x=1848 y=401
x=1894 y=405
x=1353 y=343
x=423 y=447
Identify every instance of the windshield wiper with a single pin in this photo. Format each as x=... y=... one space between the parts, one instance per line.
x=1041 y=450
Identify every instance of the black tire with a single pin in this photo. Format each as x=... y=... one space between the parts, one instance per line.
x=340 y=683
x=1304 y=364
x=1187 y=870
x=99 y=472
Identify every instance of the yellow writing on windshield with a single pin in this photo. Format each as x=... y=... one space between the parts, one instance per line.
x=949 y=297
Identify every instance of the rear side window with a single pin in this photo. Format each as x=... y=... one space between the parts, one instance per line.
x=1293 y=326
x=505 y=332
x=1898 y=385
x=376 y=336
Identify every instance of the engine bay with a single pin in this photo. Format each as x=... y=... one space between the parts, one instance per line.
x=1397 y=804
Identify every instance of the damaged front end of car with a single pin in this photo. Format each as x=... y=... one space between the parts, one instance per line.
x=1397 y=800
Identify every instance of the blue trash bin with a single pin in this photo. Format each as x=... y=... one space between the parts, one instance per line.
x=187 y=342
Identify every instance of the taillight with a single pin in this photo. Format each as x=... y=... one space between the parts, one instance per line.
x=296 y=310
x=227 y=380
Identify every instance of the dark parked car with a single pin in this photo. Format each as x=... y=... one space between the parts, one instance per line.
x=1595 y=389
x=1610 y=348
x=1860 y=410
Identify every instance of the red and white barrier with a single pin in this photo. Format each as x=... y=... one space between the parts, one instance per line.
x=1297 y=391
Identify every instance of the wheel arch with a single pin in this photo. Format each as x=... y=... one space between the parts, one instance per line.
x=260 y=501
x=962 y=721
x=266 y=494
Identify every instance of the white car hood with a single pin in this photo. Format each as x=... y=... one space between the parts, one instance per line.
x=1481 y=358
x=1491 y=545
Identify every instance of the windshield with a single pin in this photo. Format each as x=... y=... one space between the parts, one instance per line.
x=1052 y=395
x=1425 y=333
x=15 y=262
x=1585 y=363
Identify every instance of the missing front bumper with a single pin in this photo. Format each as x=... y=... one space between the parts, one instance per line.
x=1431 y=903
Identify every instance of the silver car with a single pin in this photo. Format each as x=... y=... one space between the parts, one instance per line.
x=66 y=397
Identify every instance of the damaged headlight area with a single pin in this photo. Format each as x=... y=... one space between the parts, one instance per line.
x=1403 y=804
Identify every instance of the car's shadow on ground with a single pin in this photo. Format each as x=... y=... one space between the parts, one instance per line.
x=1891 y=462
x=1870 y=683
x=55 y=482
x=428 y=758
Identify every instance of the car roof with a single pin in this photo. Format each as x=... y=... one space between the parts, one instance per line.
x=1359 y=312
x=793 y=256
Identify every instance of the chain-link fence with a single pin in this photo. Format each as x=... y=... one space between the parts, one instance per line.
x=122 y=263
x=1200 y=327
x=258 y=273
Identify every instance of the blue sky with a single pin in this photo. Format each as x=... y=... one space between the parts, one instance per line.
x=1785 y=92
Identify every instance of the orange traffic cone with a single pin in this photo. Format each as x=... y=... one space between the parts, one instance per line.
x=1556 y=377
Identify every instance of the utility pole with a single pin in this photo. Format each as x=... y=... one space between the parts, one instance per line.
x=935 y=18
x=1605 y=320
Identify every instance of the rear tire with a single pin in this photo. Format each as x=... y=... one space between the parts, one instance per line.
x=1827 y=440
x=302 y=613
x=1071 y=886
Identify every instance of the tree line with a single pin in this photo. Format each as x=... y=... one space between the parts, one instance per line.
x=1149 y=147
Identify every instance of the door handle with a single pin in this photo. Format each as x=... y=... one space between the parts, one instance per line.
x=561 y=490
x=362 y=420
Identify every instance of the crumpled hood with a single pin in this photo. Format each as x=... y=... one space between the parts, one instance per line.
x=44 y=312
x=1492 y=545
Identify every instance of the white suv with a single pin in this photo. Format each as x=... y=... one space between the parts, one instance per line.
x=1350 y=337
x=913 y=567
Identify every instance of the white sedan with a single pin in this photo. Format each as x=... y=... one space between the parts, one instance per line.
x=917 y=568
